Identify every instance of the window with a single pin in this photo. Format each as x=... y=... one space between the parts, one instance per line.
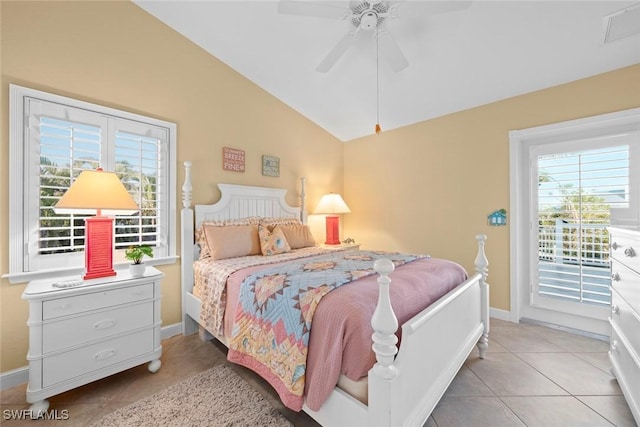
x=53 y=139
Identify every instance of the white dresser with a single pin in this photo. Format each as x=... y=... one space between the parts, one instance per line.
x=625 y=314
x=85 y=332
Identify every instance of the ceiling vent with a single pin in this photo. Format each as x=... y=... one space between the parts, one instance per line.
x=621 y=24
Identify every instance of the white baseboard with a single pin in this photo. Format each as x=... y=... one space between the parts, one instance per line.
x=500 y=314
x=21 y=375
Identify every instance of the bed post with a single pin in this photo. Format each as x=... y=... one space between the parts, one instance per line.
x=303 y=198
x=383 y=405
x=482 y=264
x=189 y=326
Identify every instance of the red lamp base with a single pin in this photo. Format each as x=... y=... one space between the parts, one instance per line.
x=98 y=247
x=333 y=233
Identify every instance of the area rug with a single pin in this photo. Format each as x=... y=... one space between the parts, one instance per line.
x=216 y=397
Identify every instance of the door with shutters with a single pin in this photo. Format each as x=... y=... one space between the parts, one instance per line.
x=573 y=188
x=576 y=186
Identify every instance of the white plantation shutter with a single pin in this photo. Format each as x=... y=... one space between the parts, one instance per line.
x=61 y=138
x=577 y=191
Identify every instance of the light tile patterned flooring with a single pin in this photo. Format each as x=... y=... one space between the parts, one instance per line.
x=532 y=376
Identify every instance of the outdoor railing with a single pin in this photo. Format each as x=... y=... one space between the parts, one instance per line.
x=567 y=243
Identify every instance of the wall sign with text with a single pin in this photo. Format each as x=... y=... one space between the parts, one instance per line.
x=232 y=159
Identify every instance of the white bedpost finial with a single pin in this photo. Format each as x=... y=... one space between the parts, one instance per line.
x=481 y=260
x=482 y=264
x=187 y=188
x=384 y=323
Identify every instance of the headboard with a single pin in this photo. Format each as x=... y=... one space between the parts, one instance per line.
x=242 y=201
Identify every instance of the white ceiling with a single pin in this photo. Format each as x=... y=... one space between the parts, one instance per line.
x=487 y=52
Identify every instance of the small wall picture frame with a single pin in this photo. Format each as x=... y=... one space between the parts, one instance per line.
x=270 y=166
x=233 y=159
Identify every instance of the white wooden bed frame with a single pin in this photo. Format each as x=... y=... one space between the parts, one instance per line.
x=406 y=383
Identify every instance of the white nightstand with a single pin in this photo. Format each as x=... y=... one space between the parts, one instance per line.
x=89 y=331
x=342 y=246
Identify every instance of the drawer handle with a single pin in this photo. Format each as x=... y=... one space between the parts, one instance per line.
x=64 y=307
x=138 y=293
x=615 y=309
x=614 y=246
x=615 y=277
x=105 y=324
x=630 y=252
x=105 y=354
x=614 y=345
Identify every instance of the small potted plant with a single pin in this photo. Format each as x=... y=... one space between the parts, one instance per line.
x=135 y=253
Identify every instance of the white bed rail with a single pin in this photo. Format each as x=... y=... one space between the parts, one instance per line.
x=404 y=389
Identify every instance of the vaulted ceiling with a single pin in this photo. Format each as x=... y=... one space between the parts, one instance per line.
x=486 y=51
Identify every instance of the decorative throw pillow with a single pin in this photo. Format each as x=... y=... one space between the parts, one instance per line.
x=272 y=243
x=297 y=235
x=232 y=241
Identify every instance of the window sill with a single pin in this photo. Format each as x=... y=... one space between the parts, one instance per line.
x=23 y=277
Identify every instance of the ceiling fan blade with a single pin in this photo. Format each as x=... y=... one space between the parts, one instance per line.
x=311 y=8
x=336 y=53
x=390 y=51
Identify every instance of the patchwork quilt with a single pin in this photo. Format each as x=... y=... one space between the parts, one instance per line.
x=275 y=313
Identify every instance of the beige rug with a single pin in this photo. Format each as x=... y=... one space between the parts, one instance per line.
x=216 y=397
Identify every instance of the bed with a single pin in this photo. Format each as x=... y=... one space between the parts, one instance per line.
x=407 y=379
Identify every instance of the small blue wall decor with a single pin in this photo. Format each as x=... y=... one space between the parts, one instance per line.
x=497 y=218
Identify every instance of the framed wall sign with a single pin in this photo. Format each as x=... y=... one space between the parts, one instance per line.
x=232 y=159
x=270 y=166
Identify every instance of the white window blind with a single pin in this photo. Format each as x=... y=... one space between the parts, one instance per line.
x=60 y=138
x=577 y=191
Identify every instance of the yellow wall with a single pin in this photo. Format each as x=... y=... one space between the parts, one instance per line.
x=429 y=187
x=115 y=54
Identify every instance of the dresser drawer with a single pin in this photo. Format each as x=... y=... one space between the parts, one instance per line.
x=625 y=320
x=90 y=327
x=626 y=283
x=627 y=372
x=65 y=366
x=95 y=300
x=626 y=249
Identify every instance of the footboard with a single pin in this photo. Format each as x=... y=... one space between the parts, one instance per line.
x=404 y=390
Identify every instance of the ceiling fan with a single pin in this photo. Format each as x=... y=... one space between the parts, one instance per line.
x=364 y=15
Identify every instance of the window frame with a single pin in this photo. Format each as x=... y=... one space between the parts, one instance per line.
x=19 y=175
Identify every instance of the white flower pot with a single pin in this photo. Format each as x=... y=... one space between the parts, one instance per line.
x=137 y=270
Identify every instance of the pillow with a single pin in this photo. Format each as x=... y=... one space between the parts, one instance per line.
x=272 y=243
x=201 y=239
x=297 y=235
x=232 y=241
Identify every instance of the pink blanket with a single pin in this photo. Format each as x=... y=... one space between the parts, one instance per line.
x=340 y=339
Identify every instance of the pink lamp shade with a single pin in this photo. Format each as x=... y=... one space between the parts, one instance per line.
x=97 y=192
x=332 y=205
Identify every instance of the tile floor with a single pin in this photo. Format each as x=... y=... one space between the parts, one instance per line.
x=532 y=376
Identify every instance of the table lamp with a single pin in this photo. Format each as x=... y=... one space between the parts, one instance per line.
x=332 y=204
x=100 y=193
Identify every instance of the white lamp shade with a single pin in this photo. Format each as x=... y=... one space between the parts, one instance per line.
x=332 y=204
x=95 y=191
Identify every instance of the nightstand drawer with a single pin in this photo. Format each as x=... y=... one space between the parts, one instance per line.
x=78 y=362
x=626 y=283
x=96 y=300
x=94 y=326
x=625 y=320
